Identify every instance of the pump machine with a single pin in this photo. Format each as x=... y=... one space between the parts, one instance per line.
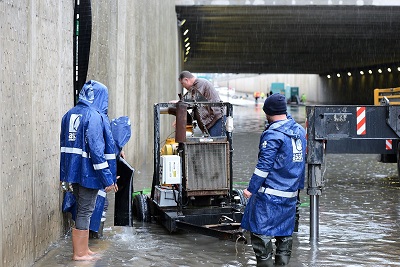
x=192 y=181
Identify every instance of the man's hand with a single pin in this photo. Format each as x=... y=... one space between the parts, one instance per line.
x=246 y=193
x=112 y=187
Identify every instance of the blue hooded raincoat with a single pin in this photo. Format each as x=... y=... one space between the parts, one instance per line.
x=87 y=145
x=279 y=174
x=121 y=131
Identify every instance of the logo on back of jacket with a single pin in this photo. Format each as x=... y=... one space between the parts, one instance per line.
x=297 y=150
x=74 y=122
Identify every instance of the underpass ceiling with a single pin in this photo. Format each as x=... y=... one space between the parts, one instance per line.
x=290 y=39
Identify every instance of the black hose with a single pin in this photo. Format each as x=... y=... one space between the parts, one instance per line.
x=82 y=39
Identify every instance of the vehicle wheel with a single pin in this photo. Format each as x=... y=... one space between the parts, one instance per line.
x=239 y=192
x=141 y=209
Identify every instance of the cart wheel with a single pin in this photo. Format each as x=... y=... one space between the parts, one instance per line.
x=239 y=192
x=141 y=209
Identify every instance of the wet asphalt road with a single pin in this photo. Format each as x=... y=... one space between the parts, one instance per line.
x=359 y=218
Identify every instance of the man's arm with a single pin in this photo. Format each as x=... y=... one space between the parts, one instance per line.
x=95 y=138
x=268 y=150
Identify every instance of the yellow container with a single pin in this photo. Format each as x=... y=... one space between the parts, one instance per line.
x=170 y=147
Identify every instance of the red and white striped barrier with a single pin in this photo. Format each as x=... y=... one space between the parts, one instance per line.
x=389 y=144
x=361 y=121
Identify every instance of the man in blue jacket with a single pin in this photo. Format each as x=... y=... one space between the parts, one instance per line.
x=273 y=188
x=87 y=158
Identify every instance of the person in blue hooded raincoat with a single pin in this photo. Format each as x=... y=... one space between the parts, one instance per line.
x=274 y=185
x=88 y=158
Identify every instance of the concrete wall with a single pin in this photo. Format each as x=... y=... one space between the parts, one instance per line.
x=134 y=53
x=251 y=83
x=36 y=81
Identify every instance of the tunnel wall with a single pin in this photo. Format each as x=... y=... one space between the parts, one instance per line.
x=134 y=53
x=346 y=90
x=251 y=83
x=356 y=89
x=35 y=84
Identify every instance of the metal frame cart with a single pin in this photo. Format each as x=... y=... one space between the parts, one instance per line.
x=192 y=181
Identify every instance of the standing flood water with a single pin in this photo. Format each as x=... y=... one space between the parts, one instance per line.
x=359 y=217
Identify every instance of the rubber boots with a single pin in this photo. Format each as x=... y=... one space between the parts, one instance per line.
x=80 y=245
x=262 y=247
x=283 y=249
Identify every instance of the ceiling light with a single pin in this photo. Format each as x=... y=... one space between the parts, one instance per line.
x=349 y=73
x=185 y=32
x=389 y=69
x=398 y=68
x=187 y=48
x=338 y=75
x=328 y=76
x=379 y=70
x=361 y=72
x=370 y=71
x=187 y=44
x=187 y=53
x=183 y=22
x=187 y=39
x=185 y=59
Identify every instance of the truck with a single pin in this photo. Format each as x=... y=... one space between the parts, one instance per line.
x=350 y=129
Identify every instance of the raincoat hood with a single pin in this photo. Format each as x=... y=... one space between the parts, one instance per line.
x=286 y=127
x=121 y=131
x=95 y=95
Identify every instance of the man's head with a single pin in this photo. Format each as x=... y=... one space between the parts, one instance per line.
x=95 y=94
x=186 y=79
x=275 y=107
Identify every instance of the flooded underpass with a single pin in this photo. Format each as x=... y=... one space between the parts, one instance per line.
x=359 y=217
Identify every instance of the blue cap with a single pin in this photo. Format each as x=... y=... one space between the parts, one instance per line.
x=275 y=105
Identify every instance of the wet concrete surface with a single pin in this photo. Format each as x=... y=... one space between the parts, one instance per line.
x=359 y=218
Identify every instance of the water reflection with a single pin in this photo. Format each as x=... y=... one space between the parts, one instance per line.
x=251 y=118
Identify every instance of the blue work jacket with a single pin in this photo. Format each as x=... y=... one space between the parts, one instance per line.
x=278 y=176
x=87 y=145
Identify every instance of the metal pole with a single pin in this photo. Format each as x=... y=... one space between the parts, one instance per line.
x=314 y=190
x=156 y=174
x=229 y=112
x=314 y=218
x=315 y=158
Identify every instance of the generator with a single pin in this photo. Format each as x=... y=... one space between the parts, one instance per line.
x=192 y=186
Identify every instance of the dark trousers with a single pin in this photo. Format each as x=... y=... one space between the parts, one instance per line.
x=218 y=129
x=86 y=201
